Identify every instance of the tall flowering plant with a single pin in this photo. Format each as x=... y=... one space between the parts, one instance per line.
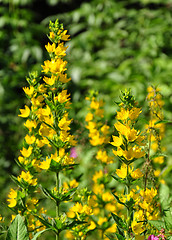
x=47 y=142
x=129 y=146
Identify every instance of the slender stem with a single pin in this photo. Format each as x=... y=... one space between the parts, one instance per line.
x=128 y=192
x=147 y=161
x=57 y=204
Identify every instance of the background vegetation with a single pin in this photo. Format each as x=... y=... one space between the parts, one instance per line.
x=116 y=44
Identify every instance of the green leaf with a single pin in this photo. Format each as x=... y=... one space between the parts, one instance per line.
x=157 y=224
x=164 y=196
x=74 y=224
x=48 y=193
x=129 y=204
x=59 y=197
x=168 y=218
x=120 y=237
x=117 y=198
x=39 y=233
x=111 y=236
x=118 y=179
x=119 y=221
x=17 y=230
x=121 y=232
x=46 y=223
x=163 y=121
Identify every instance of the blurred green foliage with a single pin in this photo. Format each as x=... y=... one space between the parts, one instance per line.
x=115 y=44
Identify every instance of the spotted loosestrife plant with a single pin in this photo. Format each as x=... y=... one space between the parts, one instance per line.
x=129 y=146
x=155 y=130
x=103 y=202
x=47 y=143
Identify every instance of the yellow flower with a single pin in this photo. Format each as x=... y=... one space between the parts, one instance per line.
x=73 y=183
x=98 y=189
x=50 y=48
x=130 y=134
x=96 y=139
x=27 y=177
x=63 y=78
x=50 y=81
x=97 y=175
x=107 y=197
x=134 y=113
x=42 y=88
x=64 y=37
x=45 y=164
x=30 y=124
x=102 y=156
x=92 y=225
x=63 y=97
x=64 y=123
x=89 y=117
x=111 y=207
x=123 y=114
x=29 y=91
x=26 y=152
x=112 y=229
x=24 y=112
x=91 y=125
x=61 y=50
x=159 y=159
x=30 y=139
x=12 y=198
x=137 y=227
x=54 y=66
x=52 y=35
x=136 y=174
x=70 y=214
x=105 y=129
x=117 y=141
x=96 y=104
x=102 y=220
x=122 y=172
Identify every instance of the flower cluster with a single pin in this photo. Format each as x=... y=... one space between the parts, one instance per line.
x=129 y=147
x=48 y=141
x=103 y=202
x=156 y=129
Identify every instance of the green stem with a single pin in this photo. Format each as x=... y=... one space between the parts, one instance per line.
x=57 y=204
x=128 y=212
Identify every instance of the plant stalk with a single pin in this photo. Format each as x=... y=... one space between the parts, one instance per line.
x=57 y=204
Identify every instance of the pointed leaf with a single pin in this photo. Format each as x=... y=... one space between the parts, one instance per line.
x=48 y=193
x=45 y=223
x=163 y=121
x=120 y=237
x=121 y=232
x=117 y=198
x=120 y=223
x=110 y=236
x=118 y=179
x=17 y=230
x=39 y=233
x=157 y=224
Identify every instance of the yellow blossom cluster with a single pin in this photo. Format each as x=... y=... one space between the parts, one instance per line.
x=48 y=139
x=101 y=199
x=156 y=127
x=98 y=132
x=128 y=143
